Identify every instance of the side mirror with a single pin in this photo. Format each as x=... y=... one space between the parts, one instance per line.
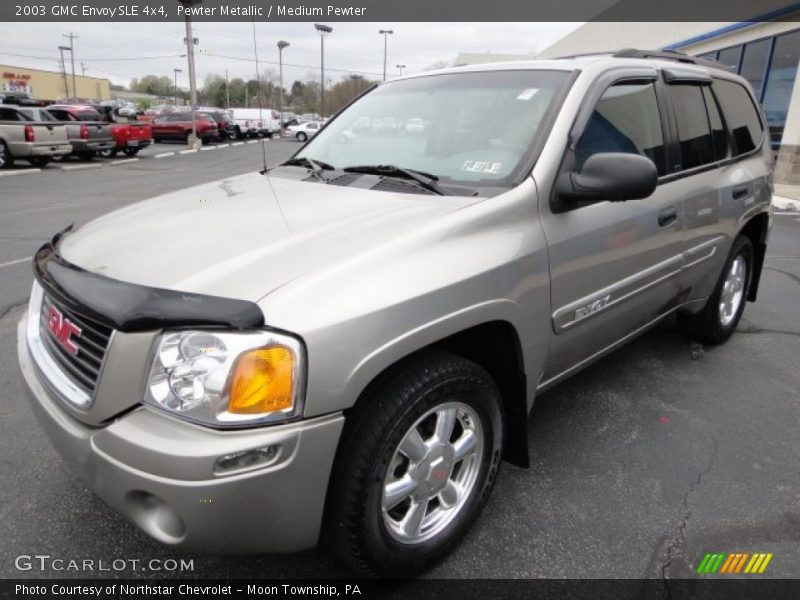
x=613 y=176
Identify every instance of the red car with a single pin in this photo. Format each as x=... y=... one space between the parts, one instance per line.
x=178 y=126
x=129 y=136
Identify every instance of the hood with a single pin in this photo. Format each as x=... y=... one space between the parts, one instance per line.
x=246 y=236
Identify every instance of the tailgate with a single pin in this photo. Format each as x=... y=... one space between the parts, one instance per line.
x=47 y=133
x=141 y=131
x=98 y=132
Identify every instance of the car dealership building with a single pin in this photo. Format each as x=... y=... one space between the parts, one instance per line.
x=765 y=52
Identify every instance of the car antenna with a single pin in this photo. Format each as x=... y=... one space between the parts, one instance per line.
x=260 y=107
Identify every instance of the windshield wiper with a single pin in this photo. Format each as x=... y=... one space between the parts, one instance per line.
x=316 y=166
x=425 y=180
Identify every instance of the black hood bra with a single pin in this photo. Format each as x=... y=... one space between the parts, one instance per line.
x=129 y=307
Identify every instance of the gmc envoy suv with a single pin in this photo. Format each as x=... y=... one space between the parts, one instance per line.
x=345 y=346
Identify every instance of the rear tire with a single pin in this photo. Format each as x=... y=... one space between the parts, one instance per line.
x=434 y=423
x=301 y=137
x=718 y=319
x=88 y=155
x=108 y=153
x=131 y=151
x=6 y=160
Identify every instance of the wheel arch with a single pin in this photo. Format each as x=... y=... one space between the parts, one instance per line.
x=756 y=229
x=494 y=346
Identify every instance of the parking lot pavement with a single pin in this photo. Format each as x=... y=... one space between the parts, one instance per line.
x=641 y=464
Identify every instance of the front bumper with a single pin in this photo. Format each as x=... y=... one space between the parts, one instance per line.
x=159 y=472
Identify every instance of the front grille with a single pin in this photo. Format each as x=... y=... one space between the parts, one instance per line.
x=83 y=368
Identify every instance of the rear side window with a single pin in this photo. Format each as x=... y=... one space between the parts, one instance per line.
x=694 y=129
x=11 y=114
x=62 y=115
x=718 y=135
x=627 y=120
x=740 y=114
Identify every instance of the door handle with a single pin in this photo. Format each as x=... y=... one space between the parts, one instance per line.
x=667 y=216
x=740 y=192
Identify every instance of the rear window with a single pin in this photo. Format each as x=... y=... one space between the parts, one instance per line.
x=740 y=114
x=89 y=115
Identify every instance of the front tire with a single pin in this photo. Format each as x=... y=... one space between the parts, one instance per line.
x=301 y=137
x=418 y=458
x=718 y=319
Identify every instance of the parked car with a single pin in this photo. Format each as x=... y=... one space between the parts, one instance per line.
x=30 y=135
x=304 y=131
x=255 y=122
x=178 y=126
x=87 y=131
x=225 y=124
x=347 y=345
x=130 y=135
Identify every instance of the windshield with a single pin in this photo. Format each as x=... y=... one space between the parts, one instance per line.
x=469 y=128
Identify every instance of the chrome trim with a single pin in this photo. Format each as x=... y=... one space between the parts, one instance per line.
x=601 y=300
x=56 y=380
x=566 y=316
x=51 y=372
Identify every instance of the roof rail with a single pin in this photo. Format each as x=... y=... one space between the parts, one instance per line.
x=670 y=55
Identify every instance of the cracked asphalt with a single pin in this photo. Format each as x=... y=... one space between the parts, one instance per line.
x=641 y=464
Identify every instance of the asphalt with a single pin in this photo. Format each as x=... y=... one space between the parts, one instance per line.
x=641 y=464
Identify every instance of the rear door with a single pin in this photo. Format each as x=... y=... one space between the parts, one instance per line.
x=614 y=266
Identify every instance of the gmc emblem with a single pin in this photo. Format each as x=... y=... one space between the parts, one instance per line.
x=63 y=329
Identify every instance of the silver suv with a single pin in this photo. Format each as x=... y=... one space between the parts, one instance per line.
x=346 y=346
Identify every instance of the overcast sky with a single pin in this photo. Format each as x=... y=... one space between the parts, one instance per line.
x=121 y=51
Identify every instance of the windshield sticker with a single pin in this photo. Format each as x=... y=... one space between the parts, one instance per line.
x=481 y=166
x=527 y=94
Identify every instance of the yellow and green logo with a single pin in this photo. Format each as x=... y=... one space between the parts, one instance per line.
x=734 y=563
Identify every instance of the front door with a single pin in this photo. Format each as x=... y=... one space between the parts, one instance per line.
x=614 y=266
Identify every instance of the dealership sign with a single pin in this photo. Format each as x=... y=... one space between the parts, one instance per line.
x=16 y=82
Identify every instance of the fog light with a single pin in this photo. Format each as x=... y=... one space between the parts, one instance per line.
x=247 y=459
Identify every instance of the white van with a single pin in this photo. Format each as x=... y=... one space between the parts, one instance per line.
x=256 y=122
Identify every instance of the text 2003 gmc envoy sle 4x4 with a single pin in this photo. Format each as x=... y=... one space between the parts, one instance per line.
x=344 y=347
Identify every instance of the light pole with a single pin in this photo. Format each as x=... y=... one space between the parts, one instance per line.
x=385 y=33
x=176 y=84
x=401 y=67
x=190 y=42
x=64 y=70
x=323 y=30
x=281 y=45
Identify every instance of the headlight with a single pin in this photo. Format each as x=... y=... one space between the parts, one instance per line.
x=228 y=379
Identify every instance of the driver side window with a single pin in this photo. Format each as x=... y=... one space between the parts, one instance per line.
x=627 y=120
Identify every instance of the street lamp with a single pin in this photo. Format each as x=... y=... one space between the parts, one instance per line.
x=176 y=84
x=281 y=45
x=385 y=33
x=323 y=30
x=64 y=69
x=401 y=67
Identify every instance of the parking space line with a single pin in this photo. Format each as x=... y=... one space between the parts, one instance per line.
x=15 y=262
x=251 y=142
x=78 y=167
x=190 y=151
x=163 y=154
x=10 y=173
x=123 y=161
x=237 y=144
x=207 y=148
x=786 y=213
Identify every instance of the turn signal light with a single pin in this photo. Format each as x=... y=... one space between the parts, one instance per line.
x=263 y=381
